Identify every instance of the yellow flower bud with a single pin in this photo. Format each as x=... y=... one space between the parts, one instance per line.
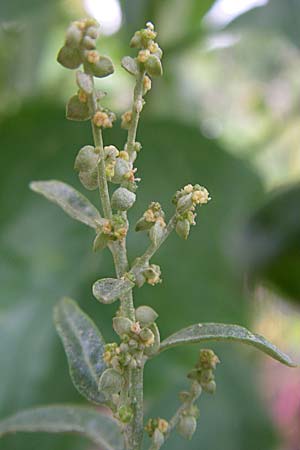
x=92 y=56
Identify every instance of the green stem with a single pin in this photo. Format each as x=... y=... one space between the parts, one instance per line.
x=137 y=403
x=137 y=101
x=152 y=249
x=195 y=392
x=102 y=181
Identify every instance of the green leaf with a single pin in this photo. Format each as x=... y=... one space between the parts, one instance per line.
x=77 y=110
x=268 y=244
x=99 y=428
x=222 y=332
x=71 y=201
x=85 y=82
x=130 y=65
x=101 y=68
x=84 y=347
x=108 y=290
x=69 y=57
x=100 y=242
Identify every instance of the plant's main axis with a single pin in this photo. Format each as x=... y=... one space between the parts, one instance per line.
x=112 y=374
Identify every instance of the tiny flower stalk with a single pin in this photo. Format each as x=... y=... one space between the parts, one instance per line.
x=111 y=374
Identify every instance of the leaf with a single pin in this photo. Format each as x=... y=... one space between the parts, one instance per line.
x=71 y=201
x=85 y=82
x=102 y=68
x=108 y=290
x=99 y=428
x=268 y=244
x=100 y=242
x=222 y=332
x=84 y=347
x=130 y=65
x=77 y=110
x=69 y=57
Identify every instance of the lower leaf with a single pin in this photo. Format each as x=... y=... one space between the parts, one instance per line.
x=224 y=332
x=98 y=427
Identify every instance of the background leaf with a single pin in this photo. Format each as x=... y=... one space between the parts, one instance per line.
x=274 y=17
x=71 y=201
x=84 y=347
x=98 y=427
x=202 y=332
x=269 y=243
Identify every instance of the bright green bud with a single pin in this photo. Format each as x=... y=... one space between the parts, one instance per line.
x=187 y=426
x=145 y=315
x=125 y=414
x=122 y=199
x=153 y=66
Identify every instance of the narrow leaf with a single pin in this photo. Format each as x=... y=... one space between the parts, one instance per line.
x=224 y=332
x=99 y=428
x=71 y=201
x=108 y=290
x=84 y=347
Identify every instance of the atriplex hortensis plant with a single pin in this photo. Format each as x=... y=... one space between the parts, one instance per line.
x=112 y=374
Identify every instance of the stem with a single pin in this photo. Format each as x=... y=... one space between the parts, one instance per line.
x=102 y=181
x=137 y=100
x=152 y=249
x=137 y=403
x=195 y=394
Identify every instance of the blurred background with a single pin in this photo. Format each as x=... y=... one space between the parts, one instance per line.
x=226 y=114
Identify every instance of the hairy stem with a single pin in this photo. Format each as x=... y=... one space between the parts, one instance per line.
x=102 y=181
x=137 y=403
x=152 y=249
x=195 y=393
x=136 y=111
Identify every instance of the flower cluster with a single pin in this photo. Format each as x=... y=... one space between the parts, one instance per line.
x=186 y=201
x=80 y=48
x=157 y=429
x=150 y=53
x=203 y=372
